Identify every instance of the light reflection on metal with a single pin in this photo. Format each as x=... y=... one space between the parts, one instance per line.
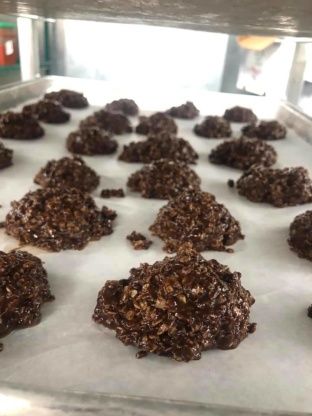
x=10 y=404
x=28 y=48
x=42 y=403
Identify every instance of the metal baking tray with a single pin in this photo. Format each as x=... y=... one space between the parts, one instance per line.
x=69 y=365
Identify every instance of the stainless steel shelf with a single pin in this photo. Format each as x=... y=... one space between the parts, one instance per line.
x=280 y=17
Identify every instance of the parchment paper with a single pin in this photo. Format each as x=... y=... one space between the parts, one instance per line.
x=271 y=369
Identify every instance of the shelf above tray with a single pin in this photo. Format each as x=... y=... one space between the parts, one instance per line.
x=281 y=17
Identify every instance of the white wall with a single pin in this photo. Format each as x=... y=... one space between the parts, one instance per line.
x=144 y=55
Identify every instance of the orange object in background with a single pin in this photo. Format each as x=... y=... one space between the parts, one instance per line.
x=255 y=43
x=8 y=44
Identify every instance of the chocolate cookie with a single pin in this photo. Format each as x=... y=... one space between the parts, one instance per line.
x=184 y=111
x=177 y=307
x=159 y=147
x=68 y=98
x=156 y=123
x=91 y=141
x=239 y=114
x=213 y=127
x=6 y=156
x=265 y=130
x=19 y=126
x=58 y=219
x=196 y=217
x=164 y=179
x=68 y=173
x=300 y=235
x=113 y=122
x=24 y=288
x=279 y=187
x=47 y=111
x=124 y=106
x=243 y=153
x=139 y=241
x=115 y=193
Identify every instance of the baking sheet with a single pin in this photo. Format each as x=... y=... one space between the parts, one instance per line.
x=271 y=369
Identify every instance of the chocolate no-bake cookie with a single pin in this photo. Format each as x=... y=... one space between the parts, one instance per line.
x=177 y=307
x=243 y=153
x=68 y=173
x=6 y=156
x=91 y=141
x=58 y=219
x=115 y=123
x=19 y=126
x=139 y=241
x=310 y=311
x=109 y=213
x=109 y=193
x=68 y=98
x=24 y=288
x=159 y=147
x=185 y=111
x=47 y=111
x=239 y=114
x=156 y=123
x=124 y=106
x=164 y=179
x=300 y=235
x=265 y=130
x=279 y=187
x=213 y=127
x=196 y=217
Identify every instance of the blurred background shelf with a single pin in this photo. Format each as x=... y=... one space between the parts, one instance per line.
x=9 y=68
x=279 y=17
x=9 y=74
